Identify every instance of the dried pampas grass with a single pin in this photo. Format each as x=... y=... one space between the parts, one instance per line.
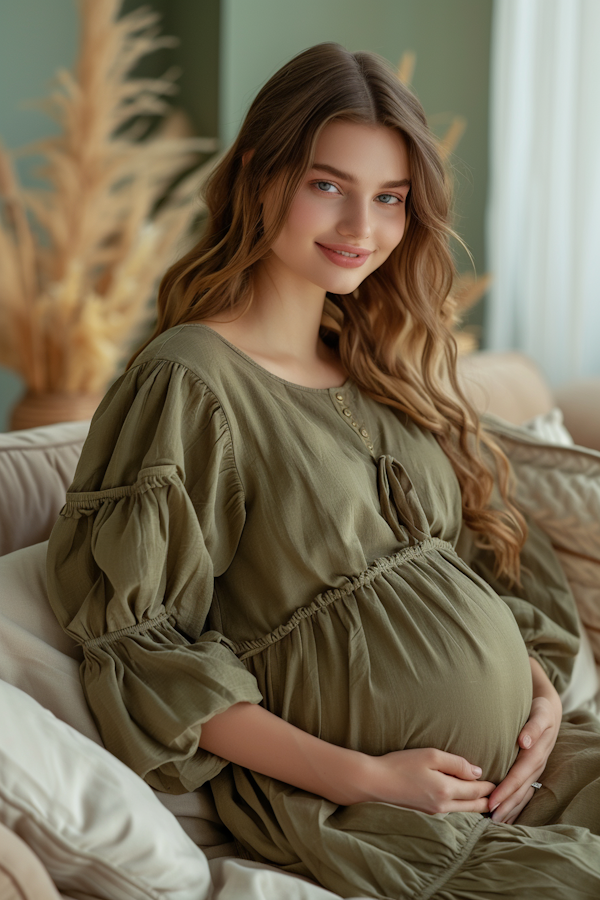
x=79 y=259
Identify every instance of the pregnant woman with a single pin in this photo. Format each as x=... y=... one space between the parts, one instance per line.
x=290 y=552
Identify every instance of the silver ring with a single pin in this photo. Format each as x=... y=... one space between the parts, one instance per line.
x=537 y=785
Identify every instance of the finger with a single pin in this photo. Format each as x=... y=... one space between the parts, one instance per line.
x=471 y=790
x=525 y=770
x=478 y=806
x=509 y=811
x=518 y=811
x=501 y=812
x=532 y=732
x=541 y=718
x=450 y=764
x=506 y=809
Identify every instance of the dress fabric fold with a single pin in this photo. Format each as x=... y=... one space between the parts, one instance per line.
x=126 y=559
x=231 y=537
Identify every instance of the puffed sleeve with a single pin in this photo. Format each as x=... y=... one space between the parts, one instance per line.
x=154 y=514
x=542 y=605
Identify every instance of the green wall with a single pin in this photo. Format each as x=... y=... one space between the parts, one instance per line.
x=36 y=38
x=228 y=49
x=451 y=39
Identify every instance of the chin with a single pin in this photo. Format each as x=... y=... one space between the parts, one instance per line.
x=343 y=286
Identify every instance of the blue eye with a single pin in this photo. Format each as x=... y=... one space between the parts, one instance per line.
x=320 y=184
x=391 y=197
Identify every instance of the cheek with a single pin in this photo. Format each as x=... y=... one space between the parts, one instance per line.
x=391 y=232
x=306 y=217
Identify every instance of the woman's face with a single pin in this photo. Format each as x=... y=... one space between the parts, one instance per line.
x=350 y=210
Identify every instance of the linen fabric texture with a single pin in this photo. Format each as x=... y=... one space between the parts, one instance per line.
x=231 y=537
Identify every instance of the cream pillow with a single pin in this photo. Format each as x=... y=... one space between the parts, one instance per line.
x=30 y=631
x=95 y=825
x=242 y=879
x=550 y=427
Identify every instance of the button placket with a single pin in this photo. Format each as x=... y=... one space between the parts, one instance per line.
x=348 y=414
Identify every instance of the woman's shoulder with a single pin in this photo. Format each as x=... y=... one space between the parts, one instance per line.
x=169 y=383
x=190 y=346
x=195 y=357
x=159 y=406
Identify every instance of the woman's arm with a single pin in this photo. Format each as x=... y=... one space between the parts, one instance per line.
x=429 y=780
x=536 y=740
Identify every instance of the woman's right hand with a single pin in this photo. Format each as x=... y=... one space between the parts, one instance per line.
x=429 y=780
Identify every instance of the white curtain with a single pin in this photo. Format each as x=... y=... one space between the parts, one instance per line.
x=543 y=217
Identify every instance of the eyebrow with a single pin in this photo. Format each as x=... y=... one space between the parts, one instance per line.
x=346 y=177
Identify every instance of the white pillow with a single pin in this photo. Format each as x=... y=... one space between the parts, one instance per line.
x=550 y=427
x=95 y=825
x=30 y=631
x=234 y=879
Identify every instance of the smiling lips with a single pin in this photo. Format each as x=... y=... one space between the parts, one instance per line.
x=345 y=255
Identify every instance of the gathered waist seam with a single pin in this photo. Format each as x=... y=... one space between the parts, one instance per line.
x=445 y=876
x=246 y=649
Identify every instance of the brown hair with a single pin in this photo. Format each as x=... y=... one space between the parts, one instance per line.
x=393 y=333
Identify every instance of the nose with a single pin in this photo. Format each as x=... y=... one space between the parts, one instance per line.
x=356 y=220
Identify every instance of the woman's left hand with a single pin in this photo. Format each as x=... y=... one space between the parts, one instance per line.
x=536 y=742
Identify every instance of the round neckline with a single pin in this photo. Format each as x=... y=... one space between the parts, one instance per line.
x=292 y=384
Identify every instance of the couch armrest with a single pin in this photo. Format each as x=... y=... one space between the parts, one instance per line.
x=580 y=403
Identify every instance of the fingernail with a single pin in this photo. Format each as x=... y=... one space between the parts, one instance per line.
x=494 y=807
x=476 y=770
x=527 y=741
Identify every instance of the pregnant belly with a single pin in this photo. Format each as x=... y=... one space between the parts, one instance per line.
x=421 y=656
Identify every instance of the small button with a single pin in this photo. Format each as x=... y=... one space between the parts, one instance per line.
x=364 y=432
x=370 y=446
x=354 y=424
x=339 y=397
x=346 y=412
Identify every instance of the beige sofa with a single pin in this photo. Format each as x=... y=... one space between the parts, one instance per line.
x=36 y=467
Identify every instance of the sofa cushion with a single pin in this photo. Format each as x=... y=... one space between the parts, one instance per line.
x=94 y=824
x=36 y=468
x=585 y=684
x=559 y=486
x=30 y=631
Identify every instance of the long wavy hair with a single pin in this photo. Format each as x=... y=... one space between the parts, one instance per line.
x=393 y=333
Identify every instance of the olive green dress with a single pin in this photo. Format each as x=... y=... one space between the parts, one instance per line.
x=230 y=536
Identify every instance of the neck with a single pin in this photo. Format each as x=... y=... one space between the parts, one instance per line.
x=285 y=316
x=280 y=331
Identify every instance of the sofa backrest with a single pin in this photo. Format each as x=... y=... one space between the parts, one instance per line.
x=36 y=468
x=508 y=385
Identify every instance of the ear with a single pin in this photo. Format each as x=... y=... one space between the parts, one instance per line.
x=247 y=156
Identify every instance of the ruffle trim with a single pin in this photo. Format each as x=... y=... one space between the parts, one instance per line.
x=246 y=649
x=80 y=504
x=140 y=628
